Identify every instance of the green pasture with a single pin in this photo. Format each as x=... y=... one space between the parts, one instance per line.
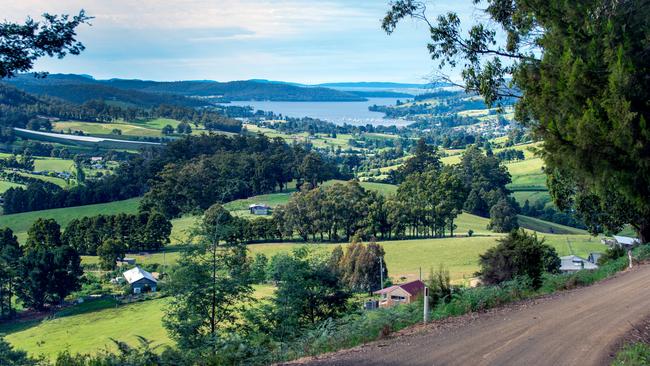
x=21 y=222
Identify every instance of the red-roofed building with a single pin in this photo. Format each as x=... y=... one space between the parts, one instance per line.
x=400 y=294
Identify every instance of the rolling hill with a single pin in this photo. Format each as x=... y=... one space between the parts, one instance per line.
x=79 y=89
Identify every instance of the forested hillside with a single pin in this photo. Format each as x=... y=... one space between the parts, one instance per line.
x=80 y=89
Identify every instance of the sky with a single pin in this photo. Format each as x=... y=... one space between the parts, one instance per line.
x=289 y=40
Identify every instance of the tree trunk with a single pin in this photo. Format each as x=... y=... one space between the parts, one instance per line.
x=643 y=232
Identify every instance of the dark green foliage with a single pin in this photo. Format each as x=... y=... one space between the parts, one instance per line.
x=134 y=177
x=518 y=254
x=503 y=216
x=439 y=284
x=22 y=44
x=49 y=270
x=510 y=154
x=425 y=159
x=261 y=166
x=308 y=292
x=11 y=357
x=10 y=253
x=485 y=178
x=209 y=288
x=44 y=233
x=581 y=86
x=137 y=232
x=109 y=252
x=360 y=268
x=611 y=254
x=426 y=204
x=258 y=268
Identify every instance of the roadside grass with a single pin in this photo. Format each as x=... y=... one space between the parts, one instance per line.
x=367 y=326
x=636 y=354
x=21 y=222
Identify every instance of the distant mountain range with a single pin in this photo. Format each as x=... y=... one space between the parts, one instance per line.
x=81 y=88
x=195 y=93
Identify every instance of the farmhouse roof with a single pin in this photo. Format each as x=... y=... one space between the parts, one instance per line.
x=260 y=205
x=575 y=263
x=626 y=240
x=413 y=288
x=136 y=274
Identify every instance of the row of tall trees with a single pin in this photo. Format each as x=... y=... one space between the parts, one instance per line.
x=137 y=232
x=427 y=201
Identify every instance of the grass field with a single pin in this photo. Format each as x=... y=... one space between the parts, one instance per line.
x=459 y=253
x=21 y=222
x=531 y=196
x=45 y=178
x=527 y=174
x=54 y=164
x=541 y=226
x=4 y=185
x=91 y=128
x=318 y=140
x=89 y=327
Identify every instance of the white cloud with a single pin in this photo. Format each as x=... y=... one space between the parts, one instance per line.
x=258 y=18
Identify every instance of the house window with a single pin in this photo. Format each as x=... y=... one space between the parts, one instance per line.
x=397 y=298
x=136 y=290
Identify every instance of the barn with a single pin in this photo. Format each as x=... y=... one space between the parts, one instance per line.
x=140 y=280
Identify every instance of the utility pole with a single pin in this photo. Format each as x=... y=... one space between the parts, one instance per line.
x=420 y=273
x=381 y=272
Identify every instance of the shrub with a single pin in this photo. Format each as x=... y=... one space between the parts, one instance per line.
x=518 y=254
x=637 y=354
x=611 y=254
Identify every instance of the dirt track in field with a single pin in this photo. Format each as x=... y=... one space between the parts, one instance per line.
x=579 y=327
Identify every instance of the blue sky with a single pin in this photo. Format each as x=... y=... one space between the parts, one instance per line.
x=294 y=40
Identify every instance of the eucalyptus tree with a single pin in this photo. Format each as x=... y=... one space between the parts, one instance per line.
x=578 y=72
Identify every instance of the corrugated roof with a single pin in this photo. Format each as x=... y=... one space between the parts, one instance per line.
x=413 y=288
x=136 y=274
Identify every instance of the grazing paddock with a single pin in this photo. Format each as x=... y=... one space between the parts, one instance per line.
x=21 y=222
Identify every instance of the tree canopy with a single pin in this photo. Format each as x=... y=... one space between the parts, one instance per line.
x=22 y=44
x=578 y=71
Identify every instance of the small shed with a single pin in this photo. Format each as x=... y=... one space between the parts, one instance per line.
x=140 y=280
x=400 y=294
x=259 y=209
x=573 y=263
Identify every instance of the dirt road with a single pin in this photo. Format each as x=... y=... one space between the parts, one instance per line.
x=579 y=327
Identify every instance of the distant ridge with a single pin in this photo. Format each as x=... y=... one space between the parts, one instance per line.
x=78 y=89
x=382 y=85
